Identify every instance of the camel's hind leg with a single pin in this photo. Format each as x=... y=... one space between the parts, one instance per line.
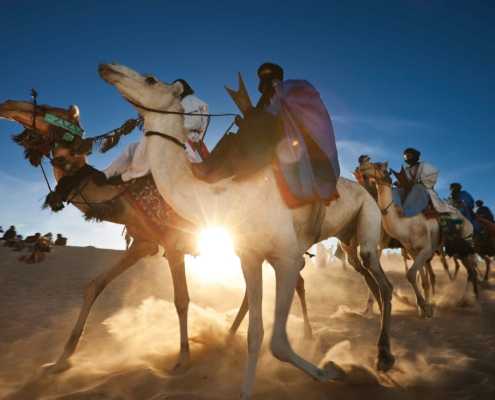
x=138 y=250
x=469 y=263
x=286 y=274
x=301 y=292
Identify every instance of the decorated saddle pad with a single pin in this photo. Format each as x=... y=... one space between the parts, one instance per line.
x=146 y=198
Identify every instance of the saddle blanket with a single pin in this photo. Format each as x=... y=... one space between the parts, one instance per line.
x=145 y=197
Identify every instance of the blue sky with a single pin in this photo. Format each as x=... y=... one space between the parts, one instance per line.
x=392 y=74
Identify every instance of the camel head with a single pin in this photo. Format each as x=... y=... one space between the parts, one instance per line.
x=376 y=172
x=39 y=138
x=142 y=90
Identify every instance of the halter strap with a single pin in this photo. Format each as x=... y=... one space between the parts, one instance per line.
x=155 y=110
x=167 y=137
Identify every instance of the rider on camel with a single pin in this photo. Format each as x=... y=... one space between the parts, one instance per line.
x=417 y=180
x=483 y=211
x=289 y=126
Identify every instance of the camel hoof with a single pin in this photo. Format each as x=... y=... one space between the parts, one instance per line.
x=57 y=367
x=429 y=310
x=463 y=303
x=331 y=372
x=385 y=361
x=181 y=366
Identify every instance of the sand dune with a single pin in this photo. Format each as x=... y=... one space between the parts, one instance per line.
x=132 y=337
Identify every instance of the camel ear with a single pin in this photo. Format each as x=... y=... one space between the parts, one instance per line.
x=385 y=164
x=177 y=88
x=74 y=113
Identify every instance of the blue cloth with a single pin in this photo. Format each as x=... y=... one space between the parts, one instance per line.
x=465 y=204
x=416 y=201
x=308 y=154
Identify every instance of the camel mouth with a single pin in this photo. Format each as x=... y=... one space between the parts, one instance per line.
x=6 y=109
x=109 y=73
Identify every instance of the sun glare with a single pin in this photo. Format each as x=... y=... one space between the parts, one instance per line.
x=217 y=261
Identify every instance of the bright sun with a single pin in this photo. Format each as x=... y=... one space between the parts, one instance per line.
x=217 y=261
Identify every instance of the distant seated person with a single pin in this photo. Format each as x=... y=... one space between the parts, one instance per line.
x=49 y=237
x=10 y=234
x=41 y=247
x=483 y=211
x=60 y=240
x=32 y=238
x=18 y=244
x=462 y=200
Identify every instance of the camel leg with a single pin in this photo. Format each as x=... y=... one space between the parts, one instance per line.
x=286 y=273
x=181 y=300
x=487 y=272
x=457 y=267
x=372 y=265
x=418 y=264
x=243 y=309
x=425 y=284
x=469 y=263
x=137 y=251
x=445 y=265
x=301 y=292
x=432 y=277
x=404 y=258
x=374 y=291
x=251 y=268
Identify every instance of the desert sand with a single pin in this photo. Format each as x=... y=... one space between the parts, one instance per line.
x=132 y=338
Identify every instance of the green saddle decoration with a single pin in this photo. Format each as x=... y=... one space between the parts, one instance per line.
x=71 y=129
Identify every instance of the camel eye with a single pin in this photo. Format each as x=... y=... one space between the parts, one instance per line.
x=151 y=80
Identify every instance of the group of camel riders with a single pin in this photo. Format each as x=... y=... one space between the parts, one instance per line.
x=414 y=192
x=258 y=139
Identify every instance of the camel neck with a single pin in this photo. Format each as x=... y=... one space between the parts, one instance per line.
x=391 y=217
x=171 y=170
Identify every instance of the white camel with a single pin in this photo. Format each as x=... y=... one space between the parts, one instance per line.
x=263 y=227
x=420 y=236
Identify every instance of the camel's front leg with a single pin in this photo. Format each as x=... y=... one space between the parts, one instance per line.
x=137 y=251
x=301 y=292
x=181 y=300
x=432 y=277
x=445 y=264
x=286 y=273
x=251 y=268
x=419 y=261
